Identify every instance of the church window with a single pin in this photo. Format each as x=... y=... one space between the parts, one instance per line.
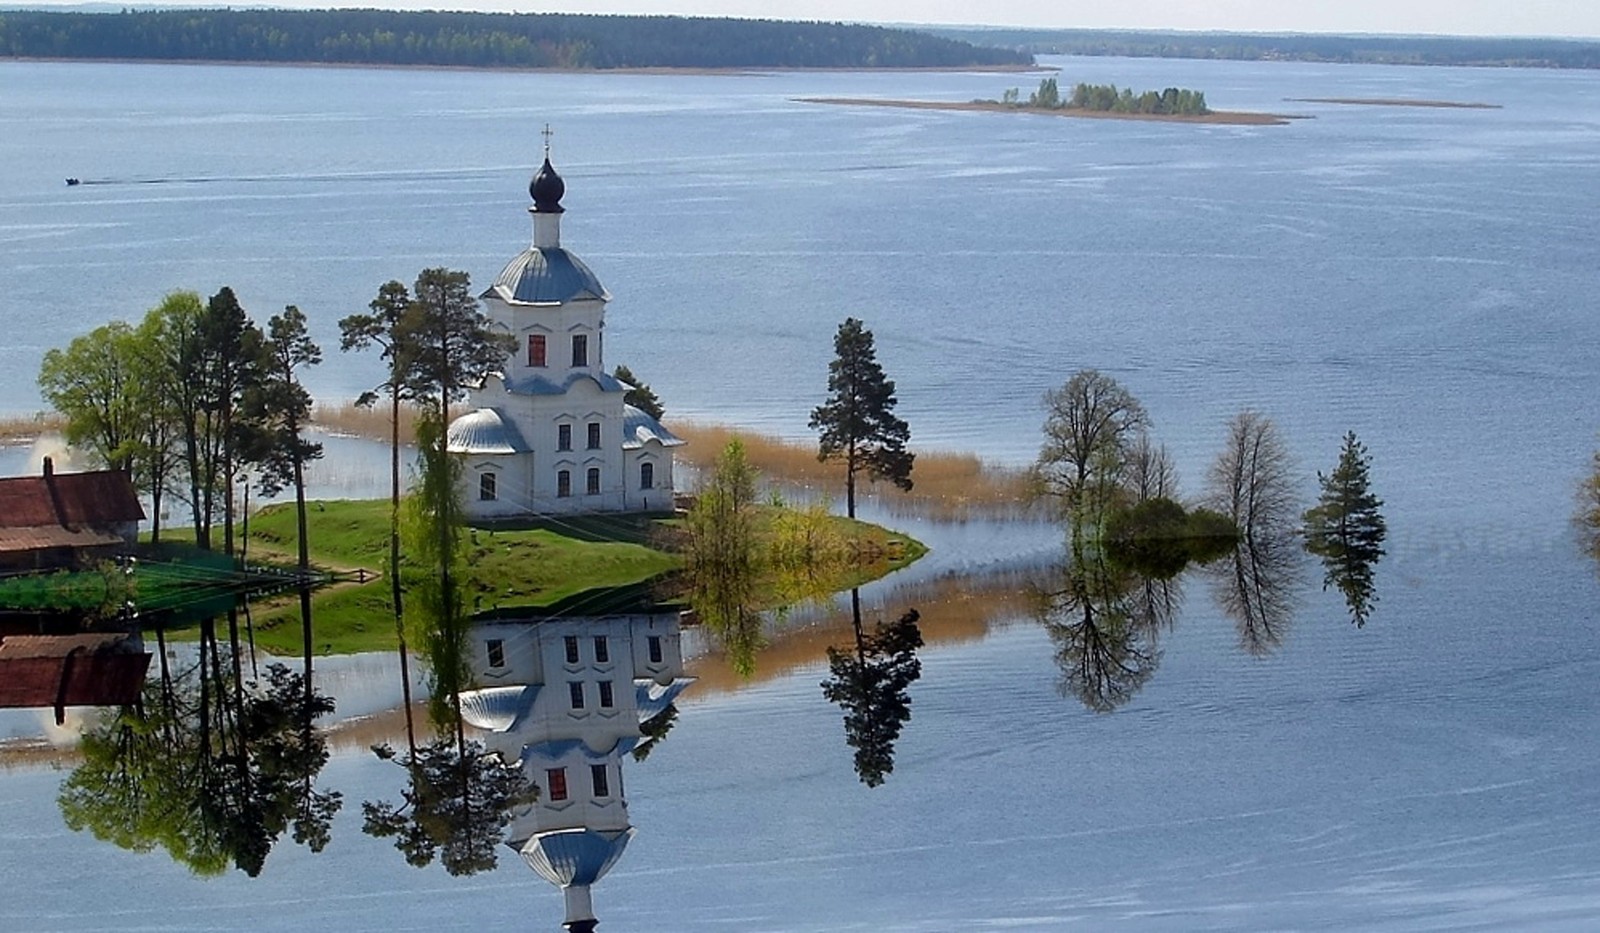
x=602 y=651
x=607 y=698
x=486 y=487
x=556 y=779
x=594 y=435
x=655 y=649
x=575 y=689
x=497 y=653
x=563 y=484
x=593 y=482
x=536 y=350
x=572 y=649
x=597 y=777
x=580 y=349
x=563 y=437
x=647 y=476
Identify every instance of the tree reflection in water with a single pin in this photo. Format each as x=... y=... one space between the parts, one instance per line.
x=1105 y=622
x=210 y=769
x=455 y=806
x=724 y=603
x=869 y=682
x=1256 y=586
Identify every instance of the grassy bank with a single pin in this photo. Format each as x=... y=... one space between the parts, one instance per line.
x=532 y=563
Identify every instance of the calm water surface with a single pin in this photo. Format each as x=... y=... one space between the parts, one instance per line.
x=1423 y=277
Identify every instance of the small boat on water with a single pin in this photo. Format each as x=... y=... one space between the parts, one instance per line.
x=73 y=181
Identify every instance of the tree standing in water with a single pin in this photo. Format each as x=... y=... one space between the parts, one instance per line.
x=1091 y=430
x=1346 y=529
x=723 y=556
x=857 y=421
x=1251 y=481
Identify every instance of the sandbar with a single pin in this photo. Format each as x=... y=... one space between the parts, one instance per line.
x=1215 y=117
x=1392 y=102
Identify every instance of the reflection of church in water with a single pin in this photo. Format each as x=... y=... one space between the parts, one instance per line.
x=565 y=697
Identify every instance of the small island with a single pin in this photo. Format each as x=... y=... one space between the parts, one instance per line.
x=1105 y=101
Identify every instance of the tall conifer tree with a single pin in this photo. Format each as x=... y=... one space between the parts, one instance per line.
x=857 y=422
x=1346 y=529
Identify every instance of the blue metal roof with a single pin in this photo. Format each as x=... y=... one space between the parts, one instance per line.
x=547 y=275
x=638 y=428
x=484 y=431
x=575 y=856
x=539 y=385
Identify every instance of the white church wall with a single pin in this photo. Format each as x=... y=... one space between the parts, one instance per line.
x=658 y=496
x=599 y=477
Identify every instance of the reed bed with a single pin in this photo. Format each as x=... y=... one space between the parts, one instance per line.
x=372 y=423
x=947 y=485
x=18 y=429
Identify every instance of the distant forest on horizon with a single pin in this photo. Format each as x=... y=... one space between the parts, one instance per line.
x=1304 y=47
x=515 y=40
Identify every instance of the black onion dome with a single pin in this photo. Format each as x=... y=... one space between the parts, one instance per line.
x=547 y=189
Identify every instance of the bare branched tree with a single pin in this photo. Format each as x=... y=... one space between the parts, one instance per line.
x=1150 y=473
x=1252 y=480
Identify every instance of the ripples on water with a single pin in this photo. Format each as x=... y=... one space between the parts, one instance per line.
x=1424 y=278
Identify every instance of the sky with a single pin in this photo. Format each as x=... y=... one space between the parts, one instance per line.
x=1567 y=18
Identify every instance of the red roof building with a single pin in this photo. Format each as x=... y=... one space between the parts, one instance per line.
x=52 y=519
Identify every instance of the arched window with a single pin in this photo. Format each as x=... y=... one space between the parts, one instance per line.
x=647 y=475
x=564 y=484
x=593 y=485
x=486 y=487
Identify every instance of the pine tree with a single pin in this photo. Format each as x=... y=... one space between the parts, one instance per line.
x=857 y=421
x=639 y=394
x=1346 y=529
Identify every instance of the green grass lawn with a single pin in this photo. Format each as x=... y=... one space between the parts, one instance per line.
x=532 y=563
x=528 y=565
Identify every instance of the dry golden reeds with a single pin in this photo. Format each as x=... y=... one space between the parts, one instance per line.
x=372 y=423
x=17 y=429
x=946 y=485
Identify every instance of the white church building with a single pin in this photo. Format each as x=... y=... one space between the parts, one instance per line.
x=551 y=434
x=565 y=699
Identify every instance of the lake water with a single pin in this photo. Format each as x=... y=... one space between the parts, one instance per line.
x=1425 y=277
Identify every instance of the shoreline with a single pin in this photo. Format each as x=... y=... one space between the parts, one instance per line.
x=1215 y=117
x=732 y=71
x=1394 y=102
